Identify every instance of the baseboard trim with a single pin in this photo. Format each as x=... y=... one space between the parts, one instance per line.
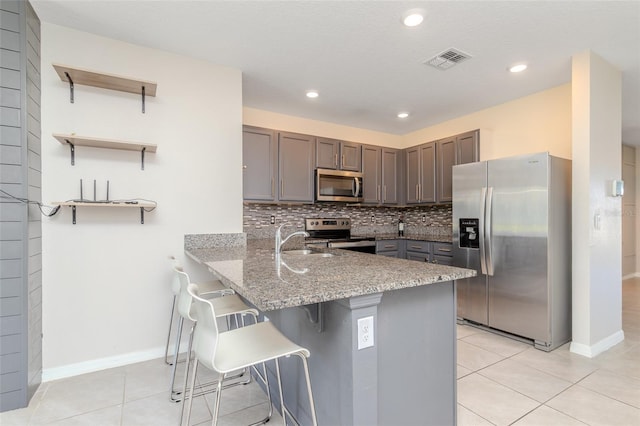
x=84 y=367
x=629 y=276
x=598 y=348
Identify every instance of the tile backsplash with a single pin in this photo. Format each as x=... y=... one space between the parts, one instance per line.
x=428 y=220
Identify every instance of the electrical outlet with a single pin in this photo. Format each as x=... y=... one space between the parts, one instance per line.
x=273 y=220
x=365 y=332
x=424 y=217
x=373 y=218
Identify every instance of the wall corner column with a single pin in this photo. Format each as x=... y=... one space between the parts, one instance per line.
x=596 y=215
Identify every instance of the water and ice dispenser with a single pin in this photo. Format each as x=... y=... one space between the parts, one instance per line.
x=469 y=233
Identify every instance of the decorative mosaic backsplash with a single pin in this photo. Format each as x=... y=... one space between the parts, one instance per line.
x=364 y=219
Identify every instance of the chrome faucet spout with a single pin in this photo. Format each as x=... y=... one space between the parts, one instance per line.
x=280 y=242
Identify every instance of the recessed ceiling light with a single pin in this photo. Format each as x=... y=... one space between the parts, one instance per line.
x=403 y=114
x=518 y=68
x=312 y=94
x=413 y=17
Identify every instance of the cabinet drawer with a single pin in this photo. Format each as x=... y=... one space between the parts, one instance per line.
x=442 y=249
x=442 y=260
x=420 y=257
x=387 y=245
x=419 y=246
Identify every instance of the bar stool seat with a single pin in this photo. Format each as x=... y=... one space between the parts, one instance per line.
x=227 y=306
x=240 y=348
x=212 y=288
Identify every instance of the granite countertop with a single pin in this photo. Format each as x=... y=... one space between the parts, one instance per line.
x=254 y=272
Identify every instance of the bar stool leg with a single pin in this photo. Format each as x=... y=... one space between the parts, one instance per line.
x=216 y=407
x=175 y=360
x=166 y=349
x=308 y=379
x=282 y=407
x=191 y=388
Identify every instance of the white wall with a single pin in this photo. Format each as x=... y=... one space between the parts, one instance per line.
x=596 y=217
x=277 y=121
x=106 y=293
x=536 y=123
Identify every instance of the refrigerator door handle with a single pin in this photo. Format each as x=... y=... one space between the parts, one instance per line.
x=481 y=225
x=489 y=231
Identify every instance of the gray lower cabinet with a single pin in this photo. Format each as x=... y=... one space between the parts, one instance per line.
x=460 y=149
x=339 y=155
x=259 y=164
x=296 y=155
x=442 y=254
x=390 y=248
x=419 y=250
x=421 y=174
x=380 y=171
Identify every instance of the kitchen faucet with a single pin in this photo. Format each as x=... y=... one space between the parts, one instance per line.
x=280 y=242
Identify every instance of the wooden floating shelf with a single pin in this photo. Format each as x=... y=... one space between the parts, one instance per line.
x=118 y=204
x=105 y=80
x=73 y=140
x=104 y=143
x=140 y=204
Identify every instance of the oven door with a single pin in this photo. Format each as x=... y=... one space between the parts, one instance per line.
x=338 y=185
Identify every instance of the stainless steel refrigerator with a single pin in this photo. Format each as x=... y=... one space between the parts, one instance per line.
x=512 y=224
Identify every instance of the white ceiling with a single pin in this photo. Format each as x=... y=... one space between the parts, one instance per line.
x=366 y=65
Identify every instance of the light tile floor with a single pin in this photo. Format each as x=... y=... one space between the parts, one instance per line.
x=500 y=382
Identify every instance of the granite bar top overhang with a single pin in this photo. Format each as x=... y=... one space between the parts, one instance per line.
x=269 y=283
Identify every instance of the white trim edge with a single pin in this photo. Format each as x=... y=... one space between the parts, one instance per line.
x=598 y=348
x=632 y=275
x=70 y=370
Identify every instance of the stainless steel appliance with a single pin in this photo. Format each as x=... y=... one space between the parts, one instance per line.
x=338 y=185
x=512 y=224
x=337 y=234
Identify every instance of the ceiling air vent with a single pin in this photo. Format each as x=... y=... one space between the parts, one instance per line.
x=447 y=59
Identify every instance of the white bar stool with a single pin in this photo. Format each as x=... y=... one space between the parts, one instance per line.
x=240 y=348
x=230 y=305
x=213 y=288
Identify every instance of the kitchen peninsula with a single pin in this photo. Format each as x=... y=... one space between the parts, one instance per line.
x=405 y=371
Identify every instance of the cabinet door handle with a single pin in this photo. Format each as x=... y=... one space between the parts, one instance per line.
x=416 y=247
x=342 y=160
x=417 y=199
x=336 y=160
x=445 y=250
x=384 y=193
x=282 y=187
x=378 y=193
x=272 y=187
x=389 y=246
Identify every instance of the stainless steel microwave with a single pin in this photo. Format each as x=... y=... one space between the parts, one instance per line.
x=338 y=185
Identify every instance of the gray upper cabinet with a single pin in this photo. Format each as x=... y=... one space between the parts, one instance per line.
x=421 y=174
x=372 y=173
x=351 y=156
x=460 y=149
x=259 y=159
x=389 y=176
x=380 y=171
x=340 y=155
x=296 y=155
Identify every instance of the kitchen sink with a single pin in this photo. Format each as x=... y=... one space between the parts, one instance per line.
x=307 y=252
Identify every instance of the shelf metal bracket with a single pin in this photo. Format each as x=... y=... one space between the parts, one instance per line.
x=142 y=215
x=70 y=86
x=143 y=96
x=73 y=214
x=73 y=152
x=144 y=148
